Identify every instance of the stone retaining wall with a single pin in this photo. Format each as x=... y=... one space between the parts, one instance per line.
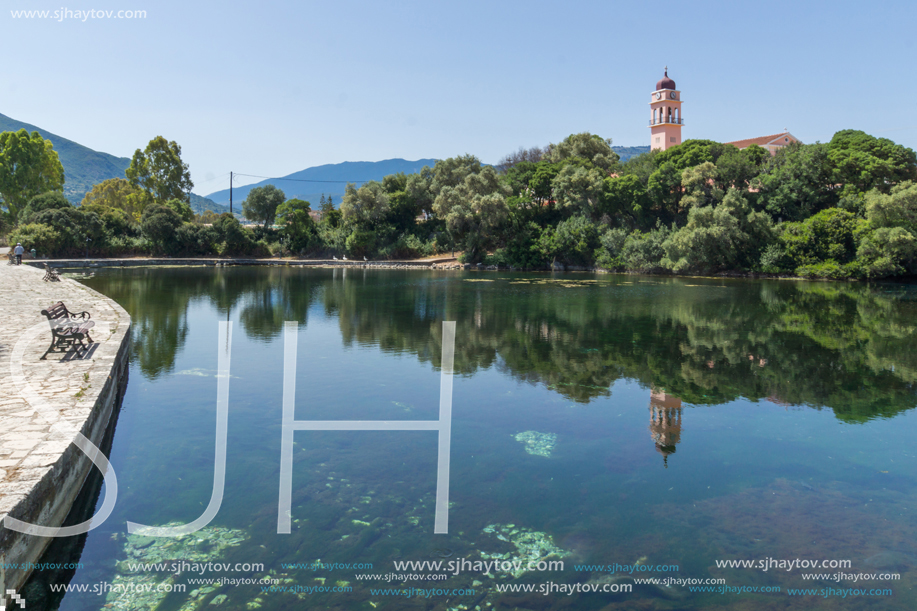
x=41 y=473
x=214 y=262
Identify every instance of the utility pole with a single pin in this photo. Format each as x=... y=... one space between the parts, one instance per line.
x=230 y=193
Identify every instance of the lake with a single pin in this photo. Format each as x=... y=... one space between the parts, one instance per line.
x=629 y=427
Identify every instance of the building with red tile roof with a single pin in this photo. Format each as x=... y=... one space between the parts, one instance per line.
x=772 y=143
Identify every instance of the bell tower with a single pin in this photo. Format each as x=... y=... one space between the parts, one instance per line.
x=665 y=120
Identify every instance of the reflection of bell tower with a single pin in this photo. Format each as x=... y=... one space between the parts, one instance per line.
x=665 y=422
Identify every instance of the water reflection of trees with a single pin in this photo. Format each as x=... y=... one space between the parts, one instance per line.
x=842 y=346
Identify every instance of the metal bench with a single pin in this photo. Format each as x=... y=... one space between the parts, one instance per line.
x=68 y=329
x=51 y=275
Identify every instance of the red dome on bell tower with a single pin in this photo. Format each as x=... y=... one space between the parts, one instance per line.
x=666 y=82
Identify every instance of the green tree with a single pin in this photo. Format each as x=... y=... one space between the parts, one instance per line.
x=691 y=153
x=887 y=251
x=897 y=209
x=118 y=193
x=737 y=168
x=641 y=166
x=700 y=186
x=159 y=170
x=235 y=239
x=665 y=190
x=43 y=238
x=292 y=207
x=261 y=204
x=181 y=208
x=473 y=210
x=590 y=147
x=541 y=184
x=207 y=217
x=159 y=225
x=116 y=223
x=608 y=255
x=643 y=251
x=451 y=172
x=889 y=246
x=824 y=239
x=297 y=226
x=580 y=189
x=29 y=166
x=52 y=200
x=73 y=225
x=626 y=199
x=365 y=206
x=403 y=211
x=393 y=183
x=797 y=182
x=419 y=190
x=572 y=242
x=862 y=162
x=728 y=236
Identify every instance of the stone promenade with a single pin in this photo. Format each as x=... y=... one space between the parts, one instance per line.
x=73 y=393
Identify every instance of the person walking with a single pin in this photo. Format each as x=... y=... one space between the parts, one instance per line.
x=18 y=253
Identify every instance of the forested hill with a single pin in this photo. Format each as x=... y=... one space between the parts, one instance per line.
x=84 y=167
x=330 y=179
x=626 y=152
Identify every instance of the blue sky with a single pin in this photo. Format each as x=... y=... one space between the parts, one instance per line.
x=270 y=88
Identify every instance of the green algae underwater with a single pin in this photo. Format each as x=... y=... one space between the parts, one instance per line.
x=657 y=424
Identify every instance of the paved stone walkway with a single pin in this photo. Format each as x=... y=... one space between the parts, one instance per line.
x=64 y=386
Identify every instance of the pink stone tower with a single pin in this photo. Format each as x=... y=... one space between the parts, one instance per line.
x=666 y=121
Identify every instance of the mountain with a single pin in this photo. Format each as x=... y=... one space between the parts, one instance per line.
x=330 y=179
x=626 y=152
x=84 y=167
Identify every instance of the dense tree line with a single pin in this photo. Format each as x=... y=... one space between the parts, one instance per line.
x=846 y=208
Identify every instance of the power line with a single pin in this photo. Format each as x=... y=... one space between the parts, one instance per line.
x=220 y=177
x=297 y=179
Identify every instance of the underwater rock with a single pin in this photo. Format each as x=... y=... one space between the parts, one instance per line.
x=531 y=546
x=137 y=591
x=539 y=444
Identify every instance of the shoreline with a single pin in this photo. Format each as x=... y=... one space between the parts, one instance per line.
x=438 y=264
x=45 y=404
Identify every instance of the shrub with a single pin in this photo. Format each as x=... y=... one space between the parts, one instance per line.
x=159 y=225
x=643 y=252
x=407 y=246
x=572 y=242
x=194 y=239
x=828 y=235
x=887 y=251
x=773 y=260
x=830 y=269
x=609 y=254
x=235 y=240
x=52 y=200
x=360 y=243
x=43 y=238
